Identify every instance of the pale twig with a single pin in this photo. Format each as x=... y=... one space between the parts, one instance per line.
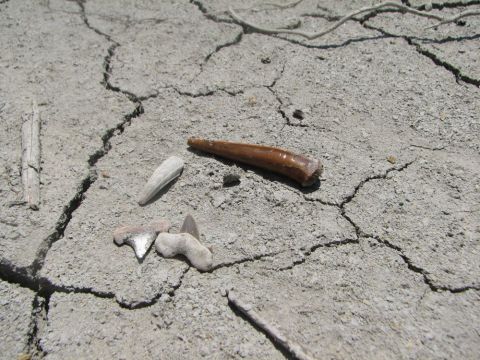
x=31 y=157
x=312 y=36
x=261 y=7
x=290 y=346
x=455 y=18
x=283 y=6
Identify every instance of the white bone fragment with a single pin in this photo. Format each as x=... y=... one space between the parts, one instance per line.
x=168 y=170
x=31 y=157
x=190 y=227
x=170 y=245
x=293 y=348
x=140 y=238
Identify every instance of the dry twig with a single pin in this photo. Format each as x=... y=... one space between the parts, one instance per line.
x=455 y=18
x=312 y=36
x=261 y=7
x=290 y=346
x=31 y=157
x=283 y=6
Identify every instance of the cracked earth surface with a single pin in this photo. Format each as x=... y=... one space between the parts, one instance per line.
x=380 y=260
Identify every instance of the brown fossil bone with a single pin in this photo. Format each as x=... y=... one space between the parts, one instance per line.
x=297 y=167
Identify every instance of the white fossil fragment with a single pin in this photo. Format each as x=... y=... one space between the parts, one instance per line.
x=294 y=349
x=170 y=245
x=168 y=170
x=190 y=227
x=31 y=157
x=140 y=238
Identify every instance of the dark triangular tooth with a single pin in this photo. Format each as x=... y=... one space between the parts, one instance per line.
x=190 y=226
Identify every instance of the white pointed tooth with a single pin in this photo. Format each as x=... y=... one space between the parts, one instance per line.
x=190 y=226
x=169 y=170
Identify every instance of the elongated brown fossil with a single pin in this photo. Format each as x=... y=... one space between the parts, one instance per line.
x=297 y=167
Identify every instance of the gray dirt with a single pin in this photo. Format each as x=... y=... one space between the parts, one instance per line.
x=381 y=259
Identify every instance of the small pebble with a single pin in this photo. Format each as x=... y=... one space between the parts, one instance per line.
x=298 y=114
x=391 y=159
x=218 y=200
x=231 y=179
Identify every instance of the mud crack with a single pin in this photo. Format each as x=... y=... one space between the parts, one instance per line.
x=459 y=76
x=208 y=15
x=383 y=175
x=38 y=318
x=245 y=260
x=234 y=42
x=437 y=61
x=280 y=110
x=29 y=277
x=447 y=5
x=204 y=93
x=412 y=267
x=310 y=251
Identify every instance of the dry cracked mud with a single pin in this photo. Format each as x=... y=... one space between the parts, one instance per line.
x=380 y=259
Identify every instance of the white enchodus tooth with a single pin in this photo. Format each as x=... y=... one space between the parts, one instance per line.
x=190 y=227
x=170 y=245
x=140 y=238
x=168 y=170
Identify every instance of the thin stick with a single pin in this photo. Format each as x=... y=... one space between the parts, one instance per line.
x=31 y=157
x=257 y=7
x=283 y=6
x=455 y=18
x=312 y=36
x=290 y=346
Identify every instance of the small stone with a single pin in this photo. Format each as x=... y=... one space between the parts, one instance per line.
x=218 y=200
x=298 y=114
x=248 y=307
x=391 y=159
x=231 y=178
x=204 y=351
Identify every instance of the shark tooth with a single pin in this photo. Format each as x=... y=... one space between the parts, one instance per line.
x=140 y=238
x=190 y=227
x=168 y=170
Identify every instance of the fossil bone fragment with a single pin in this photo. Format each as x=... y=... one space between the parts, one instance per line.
x=168 y=170
x=170 y=245
x=140 y=238
x=293 y=348
x=31 y=157
x=297 y=167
